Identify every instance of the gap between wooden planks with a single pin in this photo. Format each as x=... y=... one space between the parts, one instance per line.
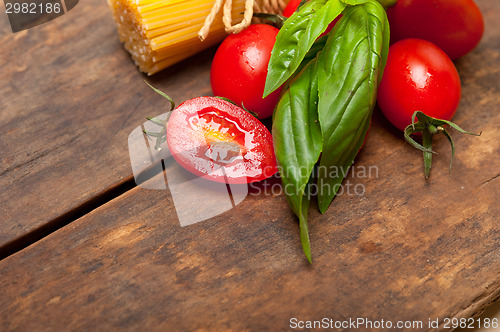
x=226 y=268
x=393 y=254
x=77 y=212
x=69 y=98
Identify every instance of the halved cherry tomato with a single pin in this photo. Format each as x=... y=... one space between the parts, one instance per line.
x=418 y=76
x=219 y=141
x=239 y=69
x=456 y=26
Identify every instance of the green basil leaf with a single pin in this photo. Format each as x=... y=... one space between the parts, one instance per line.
x=318 y=45
x=354 y=2
x=385 y=3
x=296 y=37
x=297 y=143
x=311 y=55
x=350 y=68
x=304 y=231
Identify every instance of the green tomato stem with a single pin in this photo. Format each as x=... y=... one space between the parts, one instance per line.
x=428 y=127
x=427 y=143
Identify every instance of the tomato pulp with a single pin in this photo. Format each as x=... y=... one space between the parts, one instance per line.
x=418 y=76
x=219 y=141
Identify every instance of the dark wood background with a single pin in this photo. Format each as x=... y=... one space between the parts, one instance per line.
x=83 y=248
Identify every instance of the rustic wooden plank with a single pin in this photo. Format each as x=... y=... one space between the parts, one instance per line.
x=407 y=249
x=69 y=97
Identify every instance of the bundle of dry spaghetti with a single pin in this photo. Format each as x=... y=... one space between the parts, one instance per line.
x=160 y=33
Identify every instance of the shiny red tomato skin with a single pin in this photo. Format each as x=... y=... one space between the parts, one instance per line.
x=239 y=69
x=188 y=142
x=456 y=26
x=291 y=7
x=418 y=76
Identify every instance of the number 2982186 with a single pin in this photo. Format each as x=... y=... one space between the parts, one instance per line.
x=32 y=8
x=467 y=323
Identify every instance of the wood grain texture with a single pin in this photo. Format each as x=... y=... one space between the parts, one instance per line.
x=69 y=97
x=406 y=249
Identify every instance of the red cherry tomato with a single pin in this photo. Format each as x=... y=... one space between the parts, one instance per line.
x=418 y=76
x=456 y=26
x=219 y=141
x=239 y=69
x=291 y=7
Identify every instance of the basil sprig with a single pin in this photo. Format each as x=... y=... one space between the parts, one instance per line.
x=296 y=37
x=324 y=114
x=298 y=143
x=351 y=67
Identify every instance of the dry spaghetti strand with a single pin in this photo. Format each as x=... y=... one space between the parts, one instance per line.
x=268 y=6
x=160 y=33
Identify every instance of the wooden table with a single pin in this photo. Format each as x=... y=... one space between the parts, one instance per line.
x=83 y=248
